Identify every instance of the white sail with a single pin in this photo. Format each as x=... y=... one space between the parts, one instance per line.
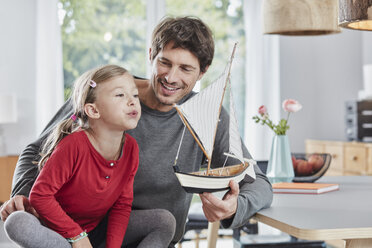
x=203 y=110
x=234 y=141
x=201 y=115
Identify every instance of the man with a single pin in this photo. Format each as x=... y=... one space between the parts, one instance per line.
x=181 y=52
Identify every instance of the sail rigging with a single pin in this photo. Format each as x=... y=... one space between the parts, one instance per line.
x=207 y=103
x=235 y=142
x=201 y=114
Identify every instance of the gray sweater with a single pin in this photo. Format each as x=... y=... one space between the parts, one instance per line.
x=155 y=186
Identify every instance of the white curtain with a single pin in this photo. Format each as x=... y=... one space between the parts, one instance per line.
x=262 y=80
x=155 y=10
x=49 y=68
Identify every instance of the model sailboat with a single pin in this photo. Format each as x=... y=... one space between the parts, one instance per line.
x=200 y=114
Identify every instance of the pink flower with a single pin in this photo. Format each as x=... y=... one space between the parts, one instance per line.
x=262 y=110
x=291 y=105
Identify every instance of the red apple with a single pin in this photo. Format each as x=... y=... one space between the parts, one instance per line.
x=294 y=162
x=316 y=161
x=303 y=168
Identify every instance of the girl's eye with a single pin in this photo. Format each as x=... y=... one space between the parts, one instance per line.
x=136 y=96
x=120 y=95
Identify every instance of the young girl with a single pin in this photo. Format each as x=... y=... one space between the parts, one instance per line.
x=87 y=167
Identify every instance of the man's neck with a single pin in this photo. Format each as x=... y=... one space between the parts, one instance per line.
x=147 y=96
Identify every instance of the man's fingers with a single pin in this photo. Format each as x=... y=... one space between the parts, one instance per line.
x=6 y=209
x=212 y=200
x=204 y=200
x=233 y=192
x=208 y=208
x=32 y=211
x=3 y=213
x=27 y=206
x=213 y=207
x=19 y=202
x=217 y=209
x=234 y=187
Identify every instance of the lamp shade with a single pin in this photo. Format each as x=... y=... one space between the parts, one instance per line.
x=300 y=17
x=356 y=14
x=8 y=108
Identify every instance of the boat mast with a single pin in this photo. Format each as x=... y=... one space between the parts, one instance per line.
x=192 y=133
x=219 y=111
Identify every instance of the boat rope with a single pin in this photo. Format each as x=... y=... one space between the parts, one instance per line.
x=179 y=147
x=224 y=165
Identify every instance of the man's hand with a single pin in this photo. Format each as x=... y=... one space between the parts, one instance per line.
x=16 y=203
x=216 y=209
x=82 y=243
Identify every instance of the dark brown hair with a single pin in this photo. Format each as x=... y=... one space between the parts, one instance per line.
x=187 y=32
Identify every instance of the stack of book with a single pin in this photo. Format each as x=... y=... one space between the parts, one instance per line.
x=304 y=188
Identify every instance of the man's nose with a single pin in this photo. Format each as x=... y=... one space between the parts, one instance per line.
x=172 y=75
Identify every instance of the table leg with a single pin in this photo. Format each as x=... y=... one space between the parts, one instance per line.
x=360 y=243
x=212 y=234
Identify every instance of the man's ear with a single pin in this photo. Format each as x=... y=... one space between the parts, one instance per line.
x=91 y=110
x=201 y=74
x=150 y=55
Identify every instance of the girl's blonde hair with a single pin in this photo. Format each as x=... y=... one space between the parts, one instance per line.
x=83 y=93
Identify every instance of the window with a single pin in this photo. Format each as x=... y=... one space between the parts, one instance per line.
x=225 y=18
x=97 y=32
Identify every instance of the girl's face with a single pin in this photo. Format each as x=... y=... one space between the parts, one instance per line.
x=117 y=103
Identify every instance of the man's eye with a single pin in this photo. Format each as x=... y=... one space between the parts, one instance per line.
x=164 y=63
x=186 y=69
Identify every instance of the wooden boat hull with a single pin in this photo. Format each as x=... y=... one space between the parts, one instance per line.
x=198 y=183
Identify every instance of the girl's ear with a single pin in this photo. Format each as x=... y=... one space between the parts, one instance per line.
x=91 y=111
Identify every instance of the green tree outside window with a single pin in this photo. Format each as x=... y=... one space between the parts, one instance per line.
x=97 y=32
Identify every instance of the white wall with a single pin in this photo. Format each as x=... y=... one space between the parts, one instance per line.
x=322 y=72
x=367 y=47
x=17 y=69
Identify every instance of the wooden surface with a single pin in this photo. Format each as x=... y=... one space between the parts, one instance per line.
x=360 y=243
x=355 y=14
x=7 y=166
x=300 y=17
x=212 y=234
x=348 y=158
x=343 y=214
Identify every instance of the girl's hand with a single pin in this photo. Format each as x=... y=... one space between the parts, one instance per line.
x=82 y=243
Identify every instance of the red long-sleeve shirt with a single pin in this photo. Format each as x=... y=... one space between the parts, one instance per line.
x=77 y=187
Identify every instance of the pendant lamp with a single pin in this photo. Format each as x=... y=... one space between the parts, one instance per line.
x=356 y=14
x=300 y=17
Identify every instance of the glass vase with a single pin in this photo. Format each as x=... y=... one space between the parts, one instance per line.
x=280 y=167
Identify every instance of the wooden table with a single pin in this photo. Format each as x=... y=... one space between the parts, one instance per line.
x=7 y=166
x=344 y=214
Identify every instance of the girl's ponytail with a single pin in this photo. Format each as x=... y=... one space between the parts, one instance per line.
x=62 y=129
x=83 y=93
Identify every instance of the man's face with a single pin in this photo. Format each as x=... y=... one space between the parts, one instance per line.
x=174 y=74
